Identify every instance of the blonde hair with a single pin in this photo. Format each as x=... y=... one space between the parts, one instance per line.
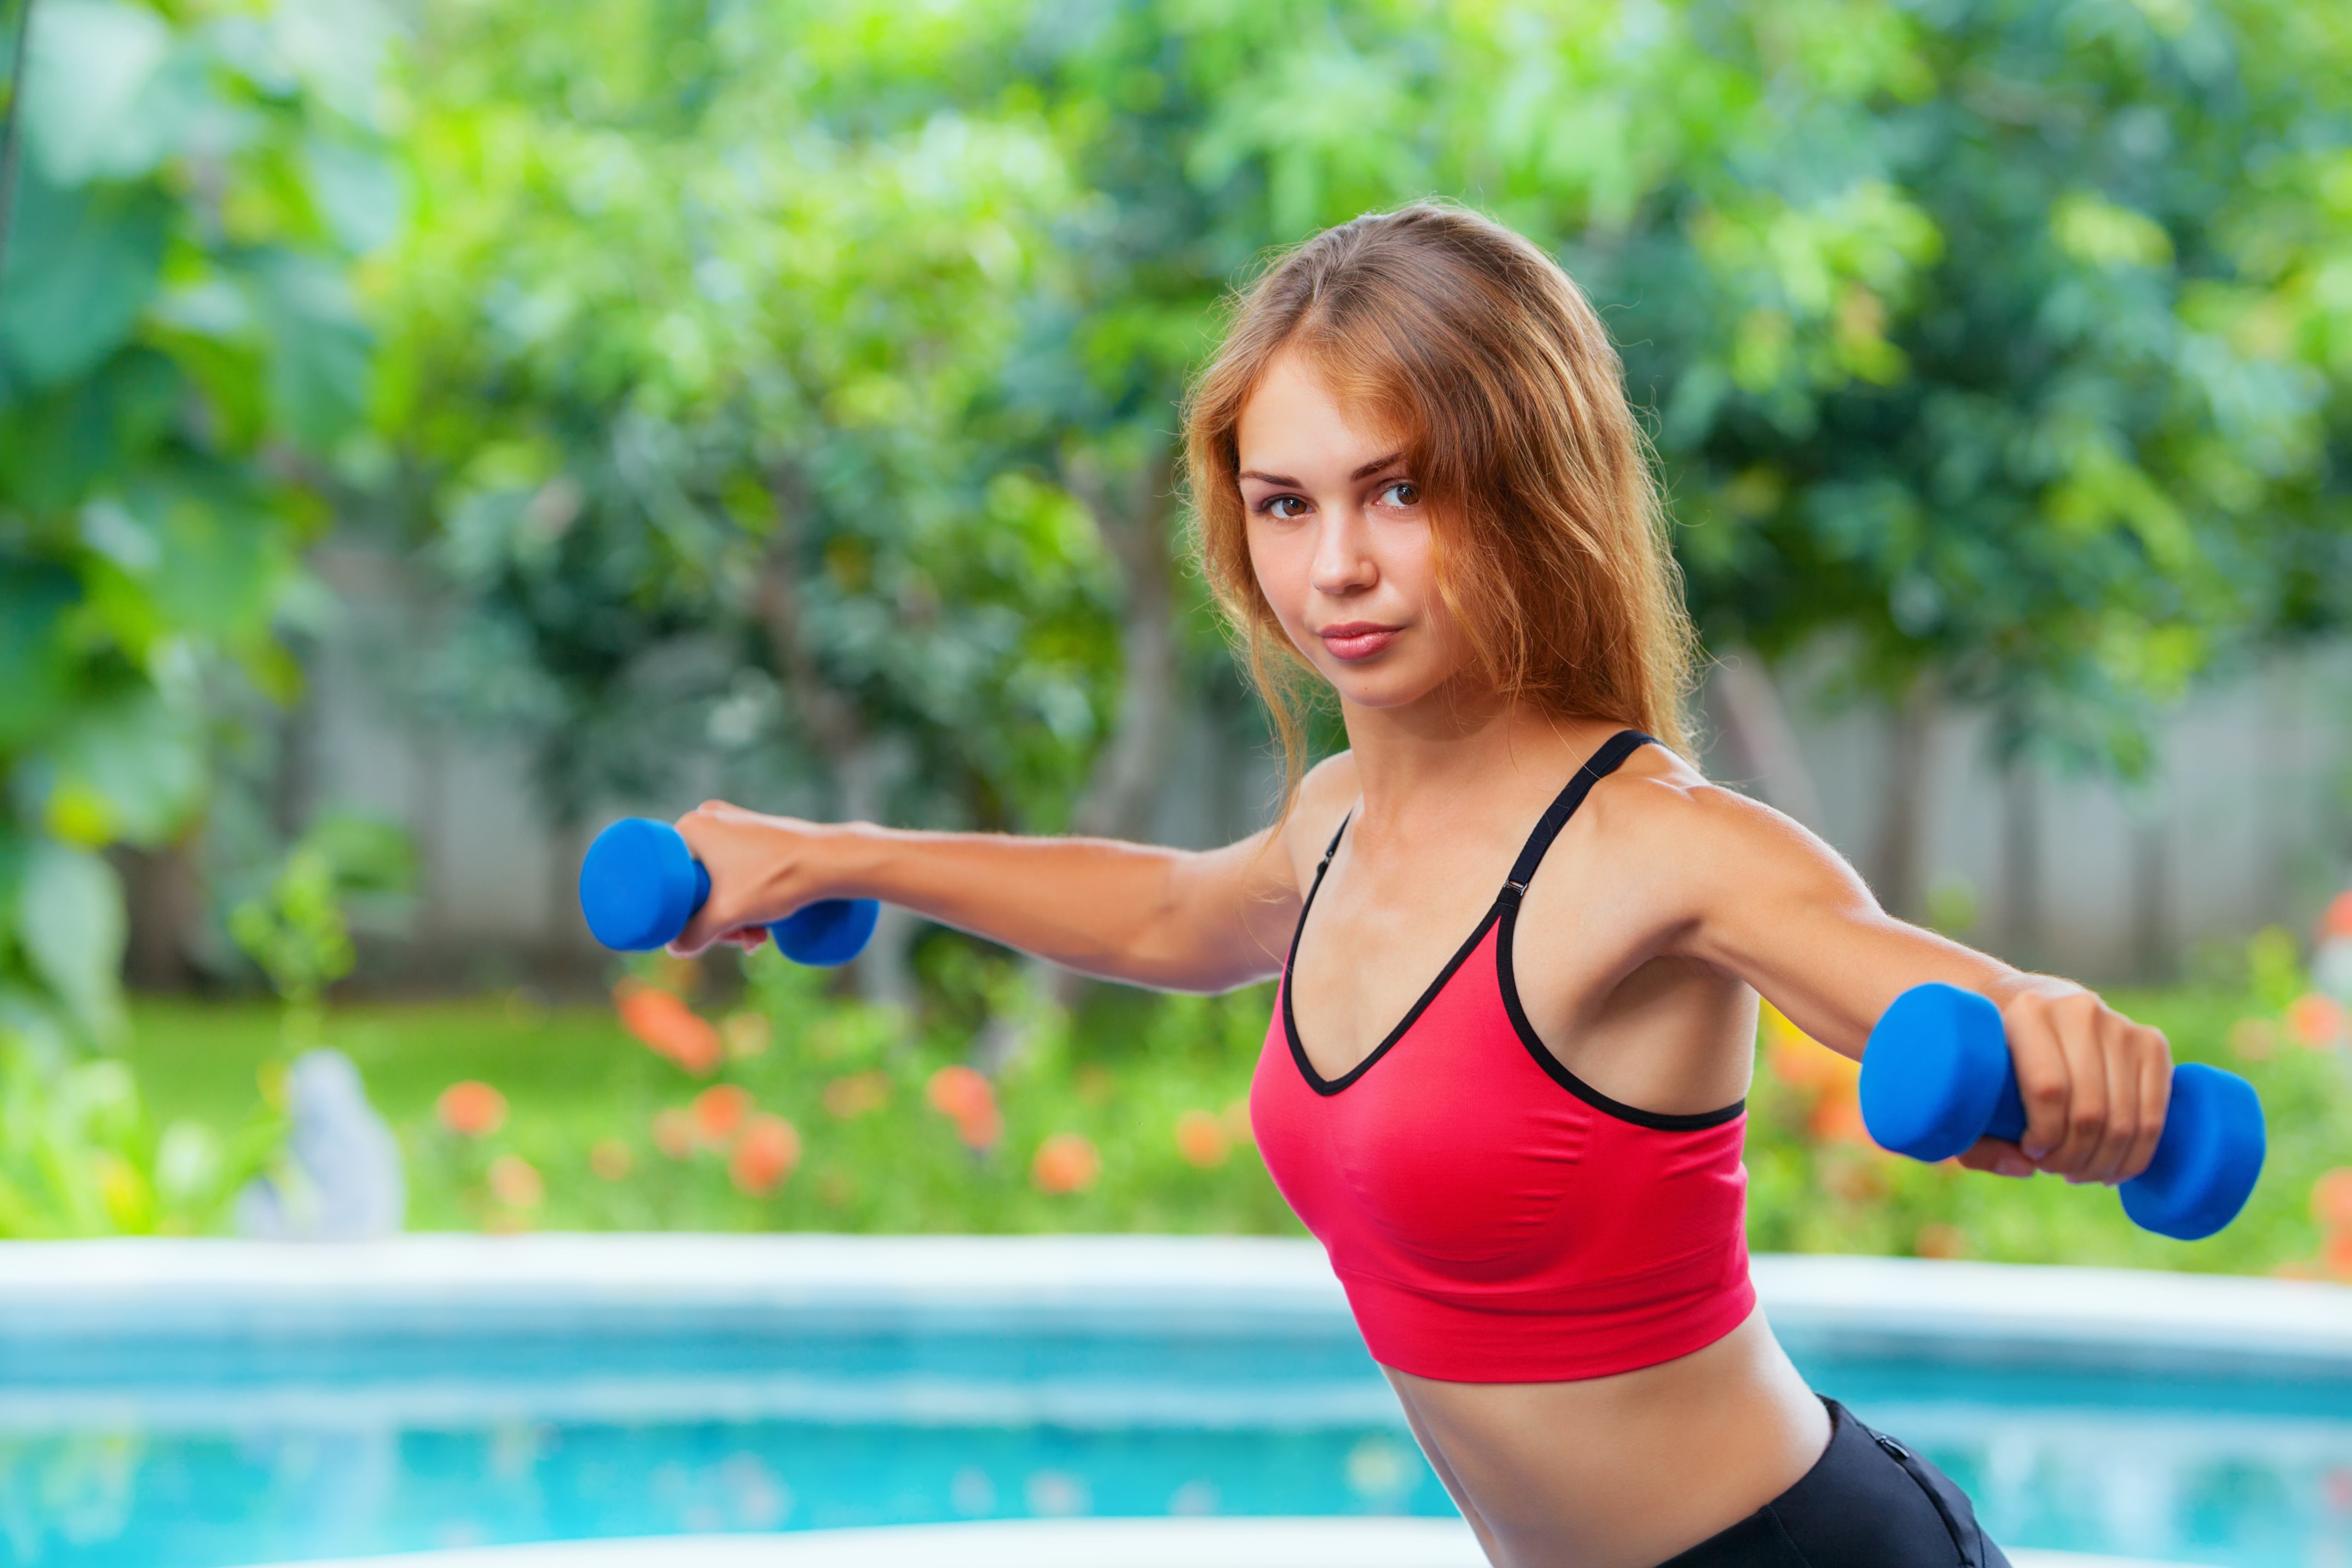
x=1549 y=530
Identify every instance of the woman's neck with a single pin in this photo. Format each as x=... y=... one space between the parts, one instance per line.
x=1446 y=752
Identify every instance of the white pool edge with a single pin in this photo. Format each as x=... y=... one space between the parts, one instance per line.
x=1049 y=1543
x=161 y=1288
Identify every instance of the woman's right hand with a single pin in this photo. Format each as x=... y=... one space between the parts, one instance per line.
x=761 y=869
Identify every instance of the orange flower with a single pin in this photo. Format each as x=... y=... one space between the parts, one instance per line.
x=668 y=1026
x=2338 y=1255
x=1201 y=1139
x=1065 y=1163
x=516 y=1183
x=1838 y=1119
x=2337 y=921
x=2317 y=1019
x=611 y=1159
x=982 y=1130
x=765 y=1155
x=958 y=1091
x=674 y=1133
x=1801 y=1060
x=718 y=1110
x=970 y=1099
x=1935 y=1241
x=859 y=1093
x=471 y=1110
x=2331 y=1199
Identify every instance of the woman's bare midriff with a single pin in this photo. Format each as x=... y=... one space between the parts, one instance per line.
x=1623 y=1471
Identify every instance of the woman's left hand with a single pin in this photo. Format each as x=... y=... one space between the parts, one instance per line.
x=2095 y=1086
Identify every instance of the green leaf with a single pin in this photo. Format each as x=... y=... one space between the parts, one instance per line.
x=358 y=192
x=36 y=669
x=319 y=347
x=105 y=95
x=69 y=918
x=225 y=555
x=82 y=265
x=136 y=765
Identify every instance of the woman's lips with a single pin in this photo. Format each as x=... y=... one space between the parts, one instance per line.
x=1358 y=639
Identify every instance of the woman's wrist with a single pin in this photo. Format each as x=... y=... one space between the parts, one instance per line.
x=844 y=860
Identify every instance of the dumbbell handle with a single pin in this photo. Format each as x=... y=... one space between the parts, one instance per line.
x=639 y=884
x=1938 y=1075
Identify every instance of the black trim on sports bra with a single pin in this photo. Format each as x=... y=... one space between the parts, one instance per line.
x=1330 y=1086
x=1604 y=761
x=1660 y=1120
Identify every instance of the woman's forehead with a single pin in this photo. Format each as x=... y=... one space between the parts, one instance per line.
x=1295 y=426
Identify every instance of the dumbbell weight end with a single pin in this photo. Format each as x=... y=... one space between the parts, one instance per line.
x=1937 y=1076
x=639 y=884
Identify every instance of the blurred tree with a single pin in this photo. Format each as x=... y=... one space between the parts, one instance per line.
x=180 y=363
x=765 y=367
x=696 y=356
x=2003 y=340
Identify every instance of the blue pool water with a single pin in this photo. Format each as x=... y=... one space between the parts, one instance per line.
x=249 y=1452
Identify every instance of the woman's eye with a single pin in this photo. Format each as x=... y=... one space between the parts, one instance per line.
x=1274 y=506
x=1403 y=493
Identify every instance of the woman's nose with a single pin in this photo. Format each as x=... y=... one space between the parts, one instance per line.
x=1342 y=563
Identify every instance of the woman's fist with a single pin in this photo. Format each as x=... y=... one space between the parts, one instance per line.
x=2094 y=1084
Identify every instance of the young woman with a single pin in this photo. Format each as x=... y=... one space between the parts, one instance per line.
x=1520 y=937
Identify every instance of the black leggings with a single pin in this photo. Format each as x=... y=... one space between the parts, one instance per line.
x=1867 y=1502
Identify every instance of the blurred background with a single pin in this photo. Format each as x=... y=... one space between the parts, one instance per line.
x=429 y=430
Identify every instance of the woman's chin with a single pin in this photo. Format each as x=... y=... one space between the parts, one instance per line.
x=1380 y=689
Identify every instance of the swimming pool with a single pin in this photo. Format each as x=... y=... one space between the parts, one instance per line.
x=205 y=1405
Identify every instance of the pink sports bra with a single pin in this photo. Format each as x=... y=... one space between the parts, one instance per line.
x=1494 y=1217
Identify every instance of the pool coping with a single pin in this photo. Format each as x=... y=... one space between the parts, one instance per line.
x=1276 y=1543
x=461 y=1285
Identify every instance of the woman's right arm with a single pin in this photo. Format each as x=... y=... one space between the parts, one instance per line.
x=1169 y=919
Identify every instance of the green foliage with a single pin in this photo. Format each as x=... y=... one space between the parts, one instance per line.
x=696 y=384
x=749 y=360
x=297 y=930
x=180 y=363
x=875 y=1155
x=80 y=1156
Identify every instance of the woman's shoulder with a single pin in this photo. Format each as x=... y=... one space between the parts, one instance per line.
x=1326 y=795
x=1659 y=808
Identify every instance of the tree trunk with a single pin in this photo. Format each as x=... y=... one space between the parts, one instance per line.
x=829 y=717
x=1898 y=865
x=1133 y=518
x=567 y=946
x=164 y=897
x=1764 y=758
x=1132 y=513
x=2021 y=864
x=2151 y=897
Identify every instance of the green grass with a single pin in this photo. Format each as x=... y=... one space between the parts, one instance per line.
x=1120 y=1075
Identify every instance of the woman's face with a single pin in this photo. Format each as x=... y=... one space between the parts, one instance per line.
x=1340 y=542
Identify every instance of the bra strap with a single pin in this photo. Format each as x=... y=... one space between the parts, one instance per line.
x=1599 y=765
x=1333 y=847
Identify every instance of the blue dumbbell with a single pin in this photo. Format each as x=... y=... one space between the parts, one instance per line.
x=639 y=885
x=1937 y=1076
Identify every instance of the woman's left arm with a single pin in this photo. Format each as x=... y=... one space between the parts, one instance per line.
x=1760 y=896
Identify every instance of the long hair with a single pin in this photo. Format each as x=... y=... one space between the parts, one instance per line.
x=1549 y=533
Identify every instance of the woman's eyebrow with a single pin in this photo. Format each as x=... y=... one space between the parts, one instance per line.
x=1366 y=472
